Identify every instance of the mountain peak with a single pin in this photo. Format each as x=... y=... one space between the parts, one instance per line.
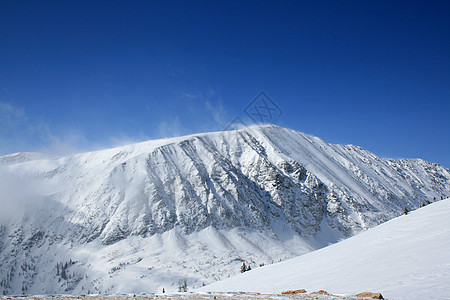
x=259 y=194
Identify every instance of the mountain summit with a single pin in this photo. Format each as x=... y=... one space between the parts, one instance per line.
x=141 y=217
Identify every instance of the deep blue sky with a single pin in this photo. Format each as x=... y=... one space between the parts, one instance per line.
x=83 y=75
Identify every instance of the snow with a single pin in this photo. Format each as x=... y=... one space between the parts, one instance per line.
x=185 y=296
x=405 y=258
x=138 y=218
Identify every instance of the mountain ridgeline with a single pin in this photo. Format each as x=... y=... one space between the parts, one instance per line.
x=141 y=217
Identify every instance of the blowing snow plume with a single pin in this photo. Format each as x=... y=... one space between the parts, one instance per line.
x=16 y=194
x=20 y=191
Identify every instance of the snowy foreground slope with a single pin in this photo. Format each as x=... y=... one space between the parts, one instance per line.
x=405 y=258
x=141 y=217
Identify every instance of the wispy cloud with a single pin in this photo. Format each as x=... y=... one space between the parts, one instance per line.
x=10 y=115
x=19 y=132
x=15 y=128
x=123 y=139
x=170 y=128
x=208 y=104
x=72 y=141
x=202 y=111
x=191 y=95
x=217 y=111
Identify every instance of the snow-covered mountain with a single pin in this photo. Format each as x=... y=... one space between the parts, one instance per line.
x=405 y=258
x=141 y=217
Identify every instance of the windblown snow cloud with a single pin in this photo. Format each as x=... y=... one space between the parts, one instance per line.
x=21 y=192
x=20 y=132
x=17 y=193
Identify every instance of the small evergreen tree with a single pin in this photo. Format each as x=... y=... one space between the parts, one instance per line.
x=243 y=267
x=182 y=286
x=63 y=274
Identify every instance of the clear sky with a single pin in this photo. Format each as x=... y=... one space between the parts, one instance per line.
x=84 y=75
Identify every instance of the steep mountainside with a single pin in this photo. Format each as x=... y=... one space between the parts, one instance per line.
x=141 y=217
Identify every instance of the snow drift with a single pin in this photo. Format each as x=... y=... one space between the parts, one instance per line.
x=405 y=258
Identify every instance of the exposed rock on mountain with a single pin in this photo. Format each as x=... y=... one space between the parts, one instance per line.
x=140 y=217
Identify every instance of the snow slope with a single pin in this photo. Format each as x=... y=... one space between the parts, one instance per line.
x=405 y=258
x=139 y=218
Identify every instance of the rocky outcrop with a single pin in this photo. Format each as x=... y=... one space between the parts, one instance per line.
x=370 y=295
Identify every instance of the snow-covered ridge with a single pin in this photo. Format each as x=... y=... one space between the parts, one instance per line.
x=404 y=258
x=195 y=207
x=19 y=157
